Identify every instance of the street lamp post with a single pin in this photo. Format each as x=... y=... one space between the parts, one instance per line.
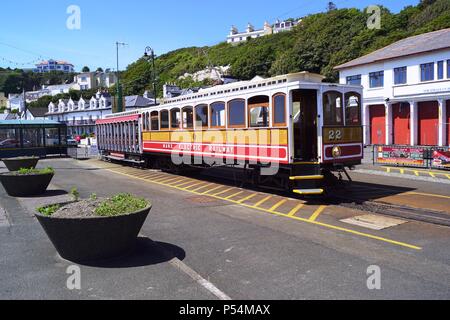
x=119 y=87
x=152 y=57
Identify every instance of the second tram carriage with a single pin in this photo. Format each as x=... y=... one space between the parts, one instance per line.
x=288 y=132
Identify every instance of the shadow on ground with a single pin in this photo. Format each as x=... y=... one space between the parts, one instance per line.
x=146 y=253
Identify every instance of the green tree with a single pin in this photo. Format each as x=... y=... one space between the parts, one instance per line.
x=85 y=69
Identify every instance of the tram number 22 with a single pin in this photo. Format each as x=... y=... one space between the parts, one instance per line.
x=334 y=135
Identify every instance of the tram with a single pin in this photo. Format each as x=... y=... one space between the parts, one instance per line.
x=288 y=132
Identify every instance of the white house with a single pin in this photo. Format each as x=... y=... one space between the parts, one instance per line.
x=94 y=80
x=54 y=65
x=80 y=116
x=406 y=91
x=279 y=26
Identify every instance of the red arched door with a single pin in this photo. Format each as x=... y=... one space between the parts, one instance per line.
x=377 y=124
x=428 y=123
x=401 y=123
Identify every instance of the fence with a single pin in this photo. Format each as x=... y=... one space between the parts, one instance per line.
x=417 y=156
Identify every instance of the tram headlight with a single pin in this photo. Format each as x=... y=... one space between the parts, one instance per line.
x=337 y=152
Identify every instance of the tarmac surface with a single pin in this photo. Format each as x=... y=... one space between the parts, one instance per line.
x=207 y=240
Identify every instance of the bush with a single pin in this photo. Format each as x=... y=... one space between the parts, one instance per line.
x=120 y=204
x=25 y=171
x=49 y=210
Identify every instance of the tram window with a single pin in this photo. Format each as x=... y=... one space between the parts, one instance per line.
x=188 y=118
x=154 y=119
x=164 y=114
x=332 y=108
x=259 y=117
x=175 y=118
x=352 y=109
x=279 y=110
x=236 y=113
x=217 y=114
x=201 y=116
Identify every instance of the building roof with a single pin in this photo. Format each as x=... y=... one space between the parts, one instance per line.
x=38 y=112
x=426 y=42
x=137 y=101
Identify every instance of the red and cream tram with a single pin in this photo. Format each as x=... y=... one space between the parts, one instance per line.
x=288 y=132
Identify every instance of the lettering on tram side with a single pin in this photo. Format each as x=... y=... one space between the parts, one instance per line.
x=218 y=148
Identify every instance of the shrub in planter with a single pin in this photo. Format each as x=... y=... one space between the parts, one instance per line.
x=94 y=229
x=15 y=164
x=27 y=182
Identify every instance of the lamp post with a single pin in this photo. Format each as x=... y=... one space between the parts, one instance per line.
x=149 y=50
x=119 y=87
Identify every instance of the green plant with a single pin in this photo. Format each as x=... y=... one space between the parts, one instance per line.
x=75 y=194
x=27 y=171
x=120 y=204
x=93 y=196
x=49 y=210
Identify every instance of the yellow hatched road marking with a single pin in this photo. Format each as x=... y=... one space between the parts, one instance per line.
x=296 y=209
x=166 y=180
x=199 y=188
x=189 y=184
x=173 y=183
x=329 y=226
x=388 y=170
x=262 y=201
x=432 y=174
x=448 y=176
x=416 y=173
x=193 y=185
x=279 y=204
x=426 y=194
x=234 y=195
x=402 y=171
x=247 y=198
x=213 y=189
x=224 y=191
x=317 y=213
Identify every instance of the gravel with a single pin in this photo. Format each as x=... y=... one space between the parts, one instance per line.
x=79 y=209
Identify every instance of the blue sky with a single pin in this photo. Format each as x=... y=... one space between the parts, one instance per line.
x=38 y=28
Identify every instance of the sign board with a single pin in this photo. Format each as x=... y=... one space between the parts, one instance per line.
x=441 y=159
x=401 y=156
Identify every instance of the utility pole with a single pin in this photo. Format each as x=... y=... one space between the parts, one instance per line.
x=152 y=57
x=120 y=106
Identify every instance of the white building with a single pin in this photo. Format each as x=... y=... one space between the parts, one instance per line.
x=279 y=26
x=80 y=116
x=406 y=91
x=54 y=65
x=94 y=80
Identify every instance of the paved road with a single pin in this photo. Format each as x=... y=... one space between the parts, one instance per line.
x=243 y=250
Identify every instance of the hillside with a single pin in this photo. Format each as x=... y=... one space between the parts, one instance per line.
x=319 y=43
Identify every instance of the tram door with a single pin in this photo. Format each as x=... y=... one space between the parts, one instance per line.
x=304 y=119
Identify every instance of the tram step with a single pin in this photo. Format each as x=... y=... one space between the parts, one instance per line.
x=305 y=192
x=310 y=177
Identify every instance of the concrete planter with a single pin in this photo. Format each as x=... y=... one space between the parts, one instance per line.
x=93 y=238
x=15 y=164
x=25 y=185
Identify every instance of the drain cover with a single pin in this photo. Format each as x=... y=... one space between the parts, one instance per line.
x=374 y=222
